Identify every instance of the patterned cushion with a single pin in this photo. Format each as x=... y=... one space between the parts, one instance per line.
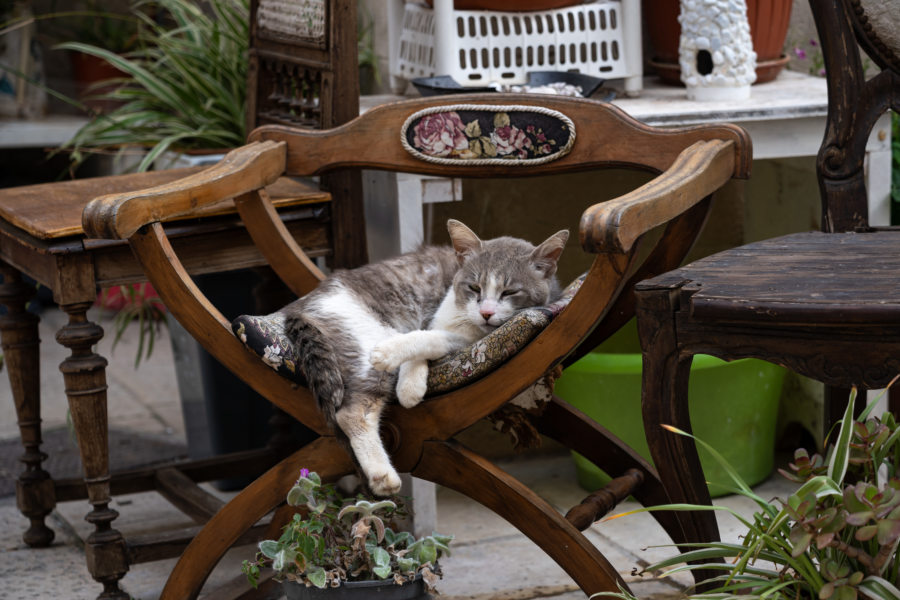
x=292 y=20
x=264 y=335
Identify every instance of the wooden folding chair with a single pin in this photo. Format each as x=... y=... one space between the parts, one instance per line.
x=586 y=135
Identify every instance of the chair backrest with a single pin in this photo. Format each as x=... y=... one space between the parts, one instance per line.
x=489 y=135
x=304 y=72
x=494 y=135
x=854 y=104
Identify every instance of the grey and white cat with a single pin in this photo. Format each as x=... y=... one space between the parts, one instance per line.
x=360 y=326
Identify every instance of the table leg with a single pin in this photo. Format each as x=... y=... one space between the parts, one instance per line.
x=664 y=401
x=21 y=352
x=85 y=377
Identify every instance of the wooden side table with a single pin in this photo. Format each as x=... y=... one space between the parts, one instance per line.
x=41 y=236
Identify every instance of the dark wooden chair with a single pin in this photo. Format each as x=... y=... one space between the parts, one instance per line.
x=41 y=237
x=694 y=162
x=304 y=72
x=825 y=304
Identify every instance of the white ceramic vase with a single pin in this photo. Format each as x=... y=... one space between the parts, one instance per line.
x=715 y=50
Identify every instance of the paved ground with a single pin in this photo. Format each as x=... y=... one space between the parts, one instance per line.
x=491 y=560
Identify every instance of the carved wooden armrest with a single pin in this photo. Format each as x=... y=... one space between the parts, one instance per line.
x=699 y=170
x=248 y=168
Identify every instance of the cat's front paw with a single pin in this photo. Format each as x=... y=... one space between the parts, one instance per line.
x=385 y=483
x=412 y=384
x=385 y=357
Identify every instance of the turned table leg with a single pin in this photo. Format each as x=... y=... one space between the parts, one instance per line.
x=35 y=493
x=664 y=401
x=85 y=378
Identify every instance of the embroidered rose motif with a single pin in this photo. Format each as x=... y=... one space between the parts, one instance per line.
x=511 y=140
x=272 y=357
x=479 y=352
x=440 y=134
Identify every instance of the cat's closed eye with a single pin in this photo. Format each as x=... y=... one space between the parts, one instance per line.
x=508 y=293
x=475 y=288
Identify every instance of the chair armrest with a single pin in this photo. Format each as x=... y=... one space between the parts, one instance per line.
x=248 y=168
x=615 y=225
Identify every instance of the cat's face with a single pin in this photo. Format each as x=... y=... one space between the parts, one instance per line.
x=500 y=277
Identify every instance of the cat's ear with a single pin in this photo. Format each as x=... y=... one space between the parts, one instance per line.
x=464 y=240
x=546 y=256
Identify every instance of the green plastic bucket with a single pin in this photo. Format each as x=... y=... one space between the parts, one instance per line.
x=733 y=408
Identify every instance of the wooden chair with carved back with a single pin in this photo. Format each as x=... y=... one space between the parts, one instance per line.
x=580 y=135
x=825 y=304
x=307 y=78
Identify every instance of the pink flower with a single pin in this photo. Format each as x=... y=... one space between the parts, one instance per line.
x=440 y=134
x=304 y=472
x=509 y=140
x=800 y=53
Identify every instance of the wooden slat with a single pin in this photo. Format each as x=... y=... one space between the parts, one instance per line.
x=188 y=497
x=235 y=464
x=51 y=211
x=826 y=279
x=169 y=544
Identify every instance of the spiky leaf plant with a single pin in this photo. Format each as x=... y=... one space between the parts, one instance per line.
x=183 y=87
x=835 y=538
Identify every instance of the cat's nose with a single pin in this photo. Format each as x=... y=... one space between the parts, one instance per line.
x=486 y=314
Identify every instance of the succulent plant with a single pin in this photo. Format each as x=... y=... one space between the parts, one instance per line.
x=333 y=539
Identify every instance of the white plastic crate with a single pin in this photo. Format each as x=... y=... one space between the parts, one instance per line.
x=477 y=48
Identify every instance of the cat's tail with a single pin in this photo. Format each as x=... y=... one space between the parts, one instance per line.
x=319 y=365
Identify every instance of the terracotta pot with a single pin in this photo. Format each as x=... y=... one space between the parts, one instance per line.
x=511 y=5
x=87 y=70
x=768 y=19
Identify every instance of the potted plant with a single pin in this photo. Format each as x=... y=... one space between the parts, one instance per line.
x=346 y=543
x=769 y=20
x=183 y=86
x=835 y=538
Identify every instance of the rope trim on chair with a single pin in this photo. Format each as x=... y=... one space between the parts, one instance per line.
x=441 y=135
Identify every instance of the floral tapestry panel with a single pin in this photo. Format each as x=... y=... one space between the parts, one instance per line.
x=477 y=135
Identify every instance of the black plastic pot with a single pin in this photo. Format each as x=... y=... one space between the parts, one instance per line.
x=358 y=590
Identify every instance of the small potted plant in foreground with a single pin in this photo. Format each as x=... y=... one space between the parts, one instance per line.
x=336 y=542
x=835 y=538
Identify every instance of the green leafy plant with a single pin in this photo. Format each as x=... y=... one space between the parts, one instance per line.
x=333 y=539
x=835 y=538
x=183 y=86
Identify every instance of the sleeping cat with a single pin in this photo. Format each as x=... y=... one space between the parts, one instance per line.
x=360 y=325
